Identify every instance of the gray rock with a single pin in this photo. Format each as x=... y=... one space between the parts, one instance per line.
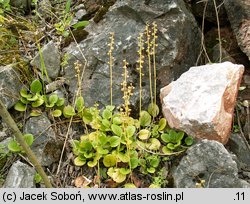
x=239 y=148
x=4 y=151
x=201 y=102
x=80 y=14
x=9 y=86
x=178 y=48
x=244 y=184
x=45 y=145
x=239 y=16
x=51 y=57
x=209 y=161
x=45 y=8
x=20 y=176
x=4 y=144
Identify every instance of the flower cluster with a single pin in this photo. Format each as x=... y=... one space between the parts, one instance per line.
x=127 y=90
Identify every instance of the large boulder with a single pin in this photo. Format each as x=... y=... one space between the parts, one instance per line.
x=20 y=176
x=208 y=161
x=45 y=145
x=240 y=148
x=10 y=85
x=178 y=48
x=50 y=56
x=239 y=16
x=201 y=102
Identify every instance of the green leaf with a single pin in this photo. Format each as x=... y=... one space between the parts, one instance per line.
x=79 y=162
x=36 y=86
x=106 y=114
x=154 y=144
x=129 y=185
x=25 y=94
x=144 y=134
x=102 y=151
x=179 y=136
x=123 y=157
x=86 y=145
x=114 y=141
x=24 y=100
x=115 y=174
x=109 y=160
x=134 y=162
x=60 y=102
x=19 y=106
x=92 y=163
x=87 y=116
x=155 y=131
x=154 y=162
x=166 y=137
x=189 y=141
x=124 y=171
x=110 y=108
x=68 y=111
x=88 y=155
x=130 y=130
x=166 y=150
x=56 y=113
x=79 y=103
x=81 y=24
x=106 y=123
x=53 y=99
x=102 y=139
x=171 y=146
x=35 y=113
x=38 y=103
x=154 y=186
x=153 y=109
x=145 y=118
x=151 y=170
x=117 y=121
x=116 y=129
x=162 y=124
x=67 y=6
x=29 y=139
x=14 y=146
x=33 y=98
x=37 y=178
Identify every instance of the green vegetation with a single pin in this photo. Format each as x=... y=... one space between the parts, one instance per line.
x=116 y=143
x=35 y=99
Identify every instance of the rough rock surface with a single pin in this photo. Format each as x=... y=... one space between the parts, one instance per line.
x=202 y=100
x=209 y=161
x=51 y=57
x=178 y=36
x=20 y=176
x=238 y=146
x=239 y=16
x=4 y=151
x=9 y=86
x=45 y=146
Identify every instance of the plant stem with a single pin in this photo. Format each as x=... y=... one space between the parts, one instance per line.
x=153 y=53
x=218 y=24
x=111 y=61
x=149 y=62
x=140 y=61
x=19 y=137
